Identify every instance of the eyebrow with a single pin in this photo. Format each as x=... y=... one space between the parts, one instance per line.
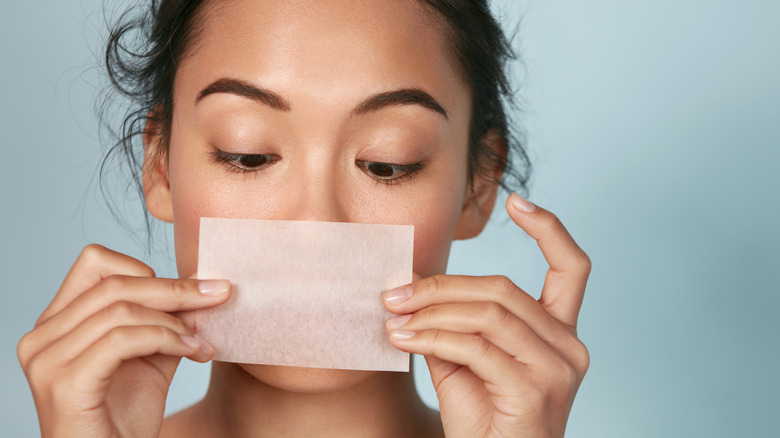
x=376 y=102
x=245 y=89
x=406 y=96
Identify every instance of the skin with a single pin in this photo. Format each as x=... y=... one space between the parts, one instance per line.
x=102 y=355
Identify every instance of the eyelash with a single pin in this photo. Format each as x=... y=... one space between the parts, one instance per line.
x=407 y=171
x=233 y=161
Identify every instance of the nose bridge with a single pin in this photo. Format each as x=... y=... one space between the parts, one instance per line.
x=318 y=193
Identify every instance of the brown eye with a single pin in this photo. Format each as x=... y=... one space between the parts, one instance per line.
x=389 y=173
x=381 y=170
x=252 y=161
x=244 y=162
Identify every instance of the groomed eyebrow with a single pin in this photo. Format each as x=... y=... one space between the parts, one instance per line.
x=405 y=96
x=245 y=89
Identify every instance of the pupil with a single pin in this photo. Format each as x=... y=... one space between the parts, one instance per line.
x=252 y=160
x=381 y=169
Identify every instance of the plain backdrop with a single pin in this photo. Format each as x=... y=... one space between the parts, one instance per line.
x=654 y=127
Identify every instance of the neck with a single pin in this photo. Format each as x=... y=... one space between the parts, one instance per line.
x=381 y=404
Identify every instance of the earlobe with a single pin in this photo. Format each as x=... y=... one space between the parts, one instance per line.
x=477 y=208
x=481 y=196
x=157 y=191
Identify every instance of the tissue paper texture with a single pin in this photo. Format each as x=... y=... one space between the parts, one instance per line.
x=305 y=294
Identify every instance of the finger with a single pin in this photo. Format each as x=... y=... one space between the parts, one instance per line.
x=564 y=285
x=94 y=264
x=488 y=319
x=162 y=294
x=500 y=372
x=441 y=289
x=118 y=314
x=93 y=369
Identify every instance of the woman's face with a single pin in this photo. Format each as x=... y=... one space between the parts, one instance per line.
x=318 y=91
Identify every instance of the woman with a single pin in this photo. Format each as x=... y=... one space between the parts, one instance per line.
x=386 y=111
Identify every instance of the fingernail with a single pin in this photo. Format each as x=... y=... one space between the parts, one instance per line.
x=402 y=334
x=398 y=321
x=398 y=295
x=205 y=346
x=192 y=341
x=213 y=287
x=521 y=203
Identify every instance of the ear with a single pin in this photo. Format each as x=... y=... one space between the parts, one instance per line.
x=481 y=196
x=157 y=190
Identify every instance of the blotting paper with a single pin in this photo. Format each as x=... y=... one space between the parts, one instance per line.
x=305 y=294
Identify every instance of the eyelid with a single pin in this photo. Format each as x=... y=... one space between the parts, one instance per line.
x=409 y=171
x=231 y=160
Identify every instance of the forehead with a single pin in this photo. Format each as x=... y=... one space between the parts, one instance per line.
x=336 y=49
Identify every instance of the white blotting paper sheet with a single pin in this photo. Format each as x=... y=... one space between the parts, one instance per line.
x=305 y=294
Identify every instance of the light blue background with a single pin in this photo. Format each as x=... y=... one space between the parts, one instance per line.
x=655 y=130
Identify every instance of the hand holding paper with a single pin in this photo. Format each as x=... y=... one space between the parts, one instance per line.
x=304 y=293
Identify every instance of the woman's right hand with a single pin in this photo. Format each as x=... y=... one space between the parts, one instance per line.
x=102 y=355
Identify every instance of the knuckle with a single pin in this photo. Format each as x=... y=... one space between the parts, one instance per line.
x=117 y=336
x=24 y=349
x=583 y=264
x=430 y=313
x=437 y=346
x=179 y=326
x=496 y=312
x=431 y=285
x=568 y=375
x=92 y=254
x=581 y=357
x=120 y=310
x=165 y=334
x=552 y=222
x=503 y=285
x=179 y=288
x=95 y=255
x=563 y=375
x=435 y=337
x=36 y=369
x=482 y=346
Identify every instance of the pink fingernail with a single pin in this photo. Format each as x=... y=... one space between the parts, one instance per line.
x=205 y=346
x=398 y=295
x=402 y=334
x=213 y=287
x=398 y=321
x=191 y=341
x=521 y=203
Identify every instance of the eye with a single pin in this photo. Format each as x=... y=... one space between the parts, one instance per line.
x=245 y=162
x=390 y=173
x=381 y=170
x=252 y=160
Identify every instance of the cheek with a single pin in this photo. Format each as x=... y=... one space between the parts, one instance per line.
x=434 y=209
x=194 y=194
x=187 y=211
x=431 y=249
x=433 y=231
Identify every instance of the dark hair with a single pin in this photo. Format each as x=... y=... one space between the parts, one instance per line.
x=149 y=42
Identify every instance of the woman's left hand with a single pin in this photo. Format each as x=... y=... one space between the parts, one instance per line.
x=503 y=364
